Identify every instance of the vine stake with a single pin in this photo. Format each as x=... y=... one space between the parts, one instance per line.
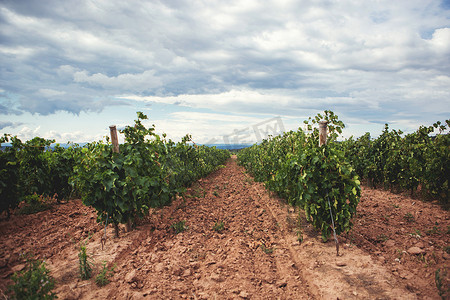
x=115 y=143
x=323 y=141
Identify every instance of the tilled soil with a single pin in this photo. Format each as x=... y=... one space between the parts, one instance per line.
x=257 y=254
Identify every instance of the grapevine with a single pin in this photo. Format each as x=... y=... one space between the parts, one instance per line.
x=309 y=176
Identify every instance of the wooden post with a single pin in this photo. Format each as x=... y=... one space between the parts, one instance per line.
x=115 y=143
x=114 y=139
x=323 y=133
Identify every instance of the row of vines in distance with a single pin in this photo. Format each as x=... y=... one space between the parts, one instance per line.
x=148 y=171
x=416 y=161
x=319 y=178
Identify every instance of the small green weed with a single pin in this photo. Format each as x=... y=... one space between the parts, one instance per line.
x=400 y=253
x=299 y=233
x=266 y=249
x=439 y=278
x=215 y=193
x=299 y=229
x=102 y=278
x=382 y=238
x=434 y=230
x=33 y=282
x=219 y=226
x=199 y=192
x=248 y=180
x=85 y=263
x=35 y=203
x=423 y=258
x=179 y=226
x=291 y=222
x=409 y=217
x=417 y=234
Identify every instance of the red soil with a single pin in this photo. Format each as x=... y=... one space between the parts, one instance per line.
x=393 y=251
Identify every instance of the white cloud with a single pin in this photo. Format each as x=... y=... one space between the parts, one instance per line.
x=288 y=58
x=27 y=133
x=213 y=127
x=207 y=100
x=23 y=52
x=75 y=136
x=50 y=92
x=441 y=40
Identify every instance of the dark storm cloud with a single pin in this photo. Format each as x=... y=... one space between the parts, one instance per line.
x=5 y=124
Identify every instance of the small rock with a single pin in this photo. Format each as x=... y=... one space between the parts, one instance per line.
x=187 y=273
x=3 y=263
x=308 y=243
x=282 y=284
x=211 y=262
x=195 y=265
x=243 y=295
x=159 y=267
x=74 y=214
x=291 y=210
x=415 y=251
x=217 y=277
x=381 y=259
x=130 y=277
x=18 y=268
x=406 y=275
x=178 y=271
x=411 y=287
x=419 y=245
x=9 y=244
x=390 y=243
x=153 y=257
x=340 y=263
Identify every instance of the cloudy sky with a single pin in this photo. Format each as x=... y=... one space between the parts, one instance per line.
x=69 y=69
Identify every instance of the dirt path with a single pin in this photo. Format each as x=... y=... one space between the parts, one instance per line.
x=256 y=255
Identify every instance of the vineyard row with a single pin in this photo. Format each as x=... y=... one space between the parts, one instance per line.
x=325 y=180
x=148 y=171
